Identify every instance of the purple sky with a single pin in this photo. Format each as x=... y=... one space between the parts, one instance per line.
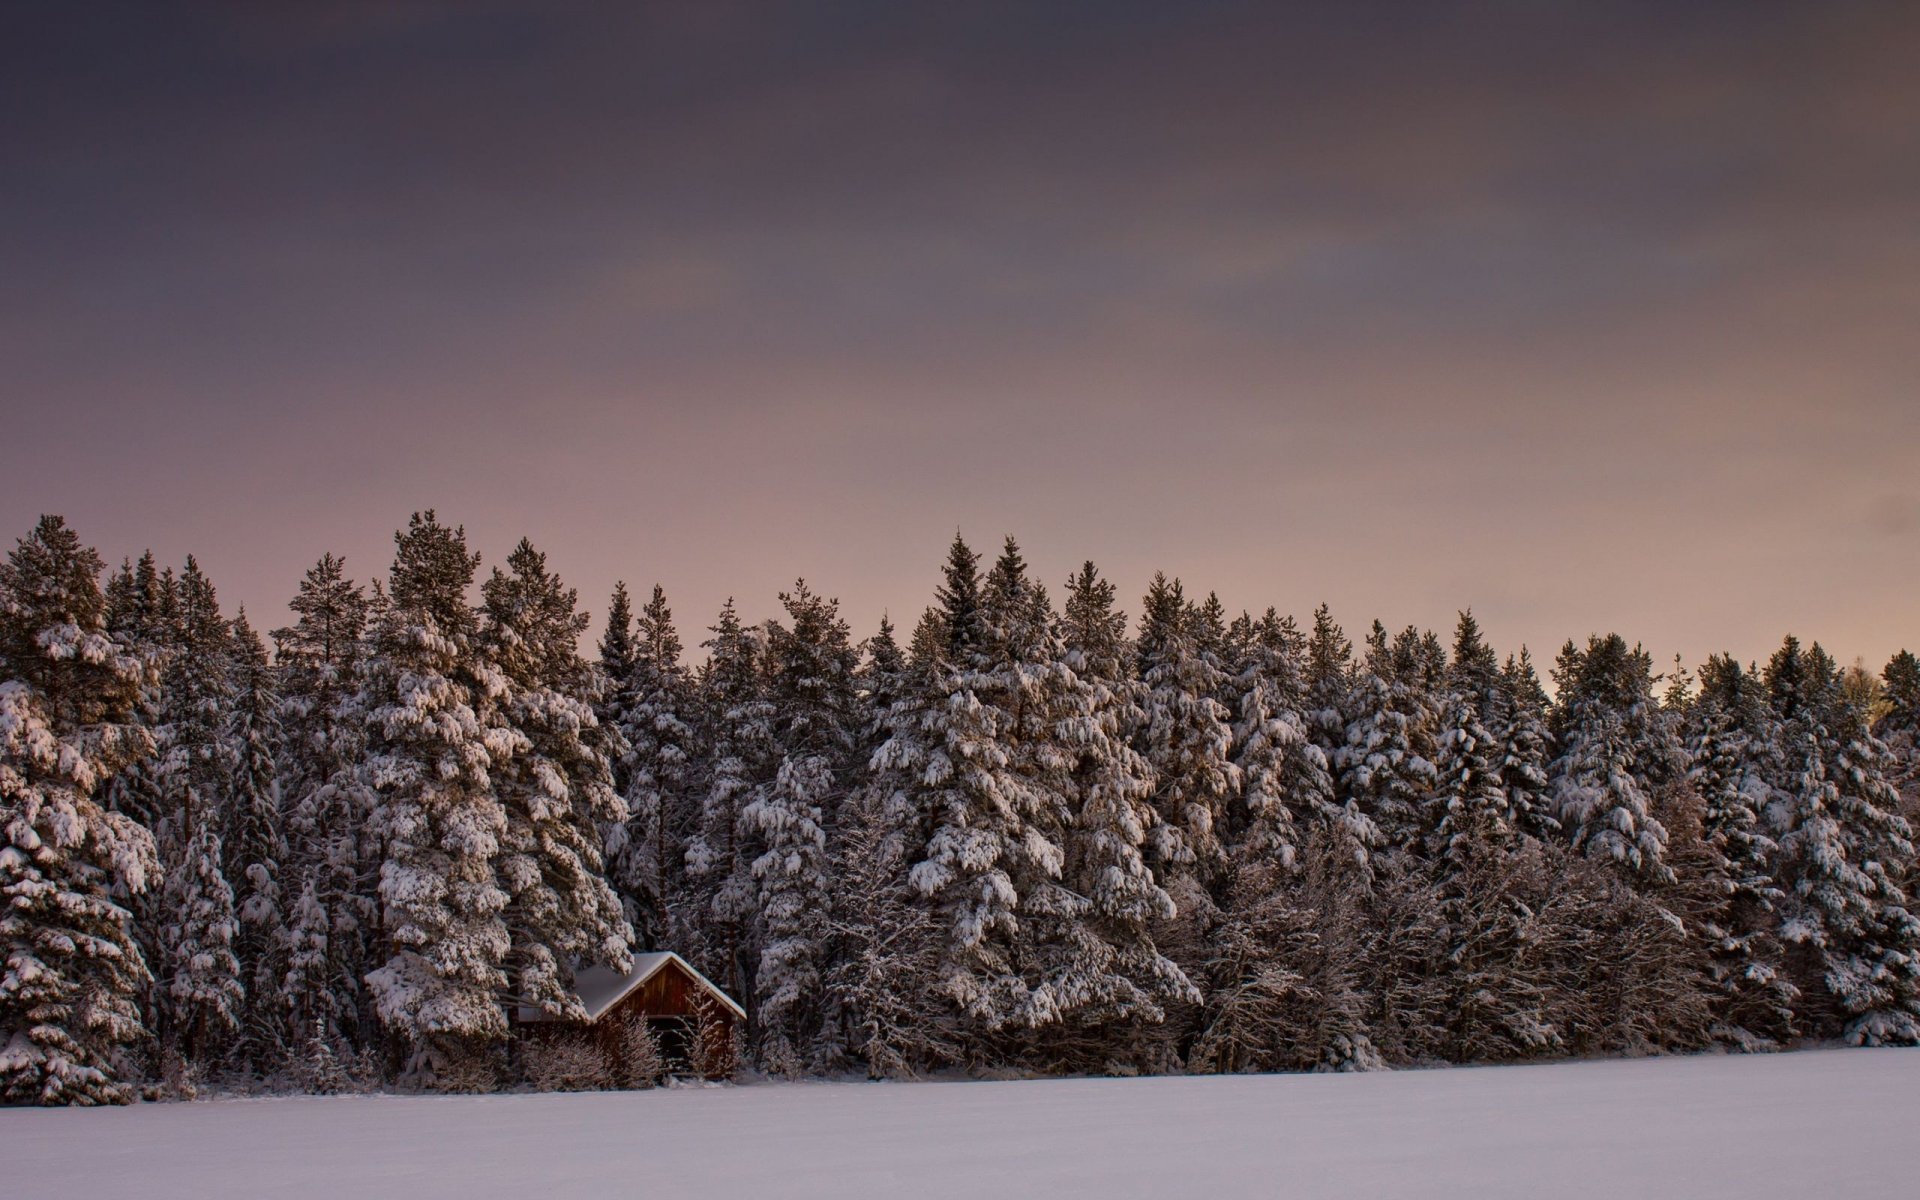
x=1589 y=316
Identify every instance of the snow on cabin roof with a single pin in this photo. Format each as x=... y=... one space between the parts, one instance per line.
x=600 y=988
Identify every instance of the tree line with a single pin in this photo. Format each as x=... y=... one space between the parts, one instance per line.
x=1032 y=838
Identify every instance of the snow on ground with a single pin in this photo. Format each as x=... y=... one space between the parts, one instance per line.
x=1824 y=1123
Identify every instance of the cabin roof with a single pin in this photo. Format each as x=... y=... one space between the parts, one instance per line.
x=600 y=988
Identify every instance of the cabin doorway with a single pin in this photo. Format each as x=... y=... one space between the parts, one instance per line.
x=674 y=1036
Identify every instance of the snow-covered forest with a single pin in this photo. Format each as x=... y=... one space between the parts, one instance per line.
x=1029 y=836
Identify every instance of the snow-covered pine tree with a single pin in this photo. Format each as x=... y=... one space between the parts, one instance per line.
x=656 y=717
x=556 y=788
x=201 y=994
x=1186 y=738
x=140 y=614
x=888 y=938
x=736 y=728
x=1899 y=728
x=888 y=943
x=1471 y=803
x=1615 y=749
x=432 y=747
x=333 y=904
x=204 y=997
x=256 y=848
x=1525 y=742
x=1101 y=963
x=1386 y=766
x=987 y=792
x=1730 y=738
x=1844 y=850
x=810 y=670
x=1286 y=779
x=617 y=654
x=74 y=973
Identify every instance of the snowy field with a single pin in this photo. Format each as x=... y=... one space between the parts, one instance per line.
x=1826 y=1123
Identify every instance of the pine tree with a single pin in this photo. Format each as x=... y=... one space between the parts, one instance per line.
x=655 y=716
x=1524 y=748
x=68 y=690
x=323 y=729
x=811 y=688
x=556 y=789
x=142 y=603
x=1730 y=739
x=202 y=991
x=617 y=650
x=256 y=845
x=1386 y=766
x=889 y=938
x=988 y=793
x=431 y=752
x=1185 y=737
x=1101 y=962
x=888 y=945
x=1899 y=728
x=737 y=729
x=1285 y=777
x=1615 y=750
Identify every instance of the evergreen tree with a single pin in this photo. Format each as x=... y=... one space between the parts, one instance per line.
x=256 y=845
x=1615 y=749
x=204 y=994
x=1185 y=737
x=73 y=970
x=322 y=721
x=811 y=688
x=988 y=793
x=655 y=716
x=432 y=748
x=617 y=650
x=1525 y=742
x=1730 y=741
x=1386 y=766
x=888 y=945
x=1285 y=777
x=556 y=789
x=1100 y=961
x=141 y=609
x=737 y=727
x=1899 y=728
x=202 y=991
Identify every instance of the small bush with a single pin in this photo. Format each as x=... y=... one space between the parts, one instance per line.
x=568 y=1065
x=641 y=1064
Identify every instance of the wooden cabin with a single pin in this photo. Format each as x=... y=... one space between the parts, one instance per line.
x=678 y=1003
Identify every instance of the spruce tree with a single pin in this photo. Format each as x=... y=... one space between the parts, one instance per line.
x=74 y=973
x=656 y=718
x=737 y=729
x=1730 y=743
x=1899 y=728
x=432 y=749
x=1615 y=749
x=1101 y=961
x=256 y=846
x=1386 y=765
x=1187 y=740
x=202 y=992
x=556 y=788
x=1525 y=748
x=811 y=690
x=333 y=904
x=1286 y=780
